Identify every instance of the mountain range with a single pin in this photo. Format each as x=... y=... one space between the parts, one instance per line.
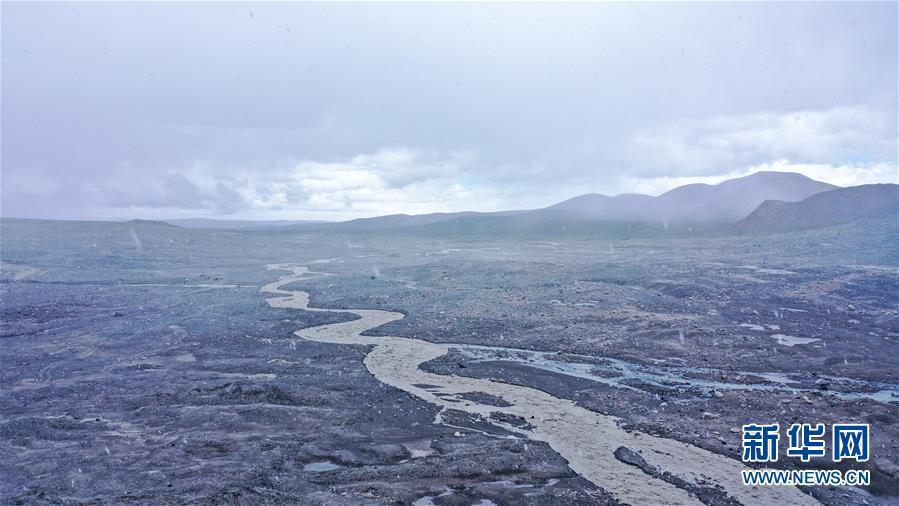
x=726 y=202
x=760 y=201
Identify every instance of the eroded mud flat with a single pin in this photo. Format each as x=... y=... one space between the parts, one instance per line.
x=586 y=439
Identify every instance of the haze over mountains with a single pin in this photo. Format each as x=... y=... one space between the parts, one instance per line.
x=726 y=202
x=761 y=201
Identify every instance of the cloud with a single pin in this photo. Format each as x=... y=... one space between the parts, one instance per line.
x=839 y=175
x=394 y=179
x=362 y=109
x=386 y=180
x=394 y=168
x=719 y=144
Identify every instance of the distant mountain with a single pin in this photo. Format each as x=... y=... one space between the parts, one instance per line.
x=149 y=222
x=404 y=221
x=726 y=202
x=214 y=224
x=828 y=208
x=625 y=207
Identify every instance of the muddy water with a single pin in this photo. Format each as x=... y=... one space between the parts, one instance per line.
x=618 y=373
x=586 y=439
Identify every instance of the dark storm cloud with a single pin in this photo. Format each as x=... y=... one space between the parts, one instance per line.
x=337 y=110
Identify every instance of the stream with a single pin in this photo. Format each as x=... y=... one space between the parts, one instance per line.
x=586 y=439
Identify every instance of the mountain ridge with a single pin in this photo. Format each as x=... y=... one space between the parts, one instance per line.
x=728 y=201
x=725 y=202
x=834 y=207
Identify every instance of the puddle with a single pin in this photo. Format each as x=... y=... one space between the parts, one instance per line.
x=419 y=449
x=788 y=340
x=320 y=467
x=326 y=260
x=428 y=500
x=259 y=376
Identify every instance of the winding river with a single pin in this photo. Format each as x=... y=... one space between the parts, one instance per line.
x=586 y=439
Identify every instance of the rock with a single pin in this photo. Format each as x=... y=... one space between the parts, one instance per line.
x=708 y=415
x=387 y=452
x=822 y=384
x=628 y=456
x=458 y=434
x=117 y=314
x=717 y=394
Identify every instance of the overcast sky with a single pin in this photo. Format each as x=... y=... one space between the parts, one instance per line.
x=314 y=111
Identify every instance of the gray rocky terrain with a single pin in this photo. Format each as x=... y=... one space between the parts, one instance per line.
x=143 y=362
